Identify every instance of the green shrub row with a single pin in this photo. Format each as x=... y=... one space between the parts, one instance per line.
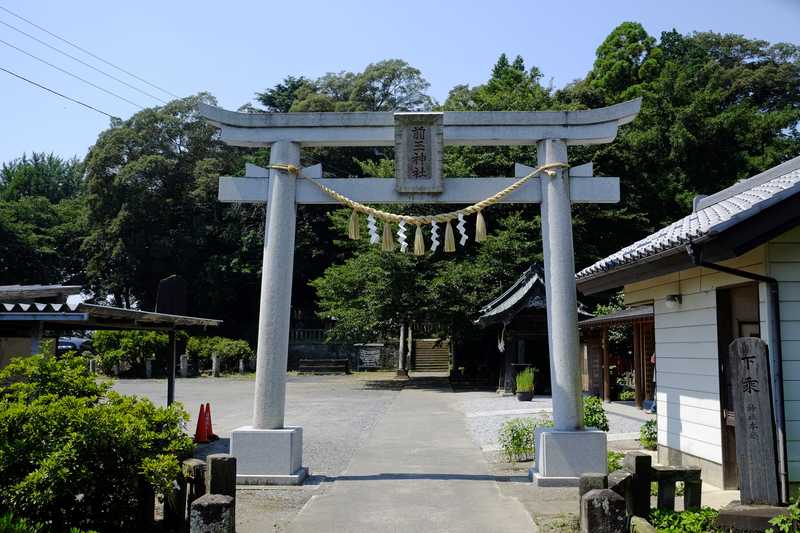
x=130 y=349
x=228 y=350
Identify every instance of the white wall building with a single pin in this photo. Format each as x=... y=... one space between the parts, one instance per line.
x=711 y=277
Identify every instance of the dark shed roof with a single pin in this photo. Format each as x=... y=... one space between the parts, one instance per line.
x=92 y=316
x=623 y=316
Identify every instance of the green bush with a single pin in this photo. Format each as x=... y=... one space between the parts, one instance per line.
x=229 y=350
x=788 y=523
x=627 y=395
x=74 y=453
x=699 y=521
x=614 y=460
x=517 y=437
x=11 y=524
x=129 y=349
x=594 y=416
x=648 y=435
x=525 y=380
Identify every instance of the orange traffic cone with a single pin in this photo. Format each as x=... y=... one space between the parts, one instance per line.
x=209 y=428
x=201 y=433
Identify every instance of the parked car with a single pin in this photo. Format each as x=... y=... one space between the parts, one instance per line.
x=74 y=344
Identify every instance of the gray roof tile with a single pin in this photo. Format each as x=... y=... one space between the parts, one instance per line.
x=714 y=214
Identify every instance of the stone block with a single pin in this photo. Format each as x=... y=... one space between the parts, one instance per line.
x=194 y=472
x=620 y=481
x=268 y=456
x=737 y=517
x=221 y=474
x=175 y=506
x=212 y=513
x=591 y=481
x=184 y=366
x=215 y=365
x=563 y=456
x=640 y=525
x=603 y=511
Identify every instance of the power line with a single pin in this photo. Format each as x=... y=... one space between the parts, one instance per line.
x=17 y=48
x=23 y=78
x=82 y=62
x=87 y=52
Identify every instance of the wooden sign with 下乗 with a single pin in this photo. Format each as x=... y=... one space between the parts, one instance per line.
x=755 y=429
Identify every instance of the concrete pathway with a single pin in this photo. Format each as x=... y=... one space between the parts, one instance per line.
x=419 y=471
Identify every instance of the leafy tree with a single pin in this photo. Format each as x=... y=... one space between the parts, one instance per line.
x=389 y=85
x=40 y=241
x=279 y=99
x=42 y=220
x=153 y=210
x=41 y=174
x=716 y=109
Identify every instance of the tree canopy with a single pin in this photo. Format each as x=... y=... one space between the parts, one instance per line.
x=142 y=205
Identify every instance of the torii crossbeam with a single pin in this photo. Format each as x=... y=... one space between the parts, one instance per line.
x=268 y=452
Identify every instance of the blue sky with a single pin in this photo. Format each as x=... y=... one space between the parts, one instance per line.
x=234 y=48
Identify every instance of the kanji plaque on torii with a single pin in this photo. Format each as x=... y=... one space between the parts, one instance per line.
x=418 y=152
x=268 y=451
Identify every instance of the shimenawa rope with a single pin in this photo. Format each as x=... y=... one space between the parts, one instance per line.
x=419 y=220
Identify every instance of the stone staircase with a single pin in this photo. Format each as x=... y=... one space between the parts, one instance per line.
x=431 y=355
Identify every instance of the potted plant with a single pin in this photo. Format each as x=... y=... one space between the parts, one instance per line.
x=525 y=385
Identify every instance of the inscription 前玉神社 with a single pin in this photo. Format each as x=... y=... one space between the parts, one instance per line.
x=419 y=149
x=418 y=152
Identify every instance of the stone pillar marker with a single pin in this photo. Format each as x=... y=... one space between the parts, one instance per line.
x=184 y=366
x=269 y=452
x=402 y=370
x=215 y=365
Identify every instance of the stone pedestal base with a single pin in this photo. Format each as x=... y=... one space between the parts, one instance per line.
x=402 y=373
x=562 y=456
x=738 y=517
x=268 y=456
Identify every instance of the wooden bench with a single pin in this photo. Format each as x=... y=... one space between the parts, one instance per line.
x=324 y=366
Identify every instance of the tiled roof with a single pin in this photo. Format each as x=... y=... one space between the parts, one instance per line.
x=712 y=215
x=528 y=292
x=513 y=297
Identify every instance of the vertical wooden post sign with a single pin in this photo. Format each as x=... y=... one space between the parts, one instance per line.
x=755 y=429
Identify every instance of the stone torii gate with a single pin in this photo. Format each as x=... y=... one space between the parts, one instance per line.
x=269 y=452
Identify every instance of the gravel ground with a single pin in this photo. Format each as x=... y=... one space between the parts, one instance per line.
x=336 y=413
x=486 y=412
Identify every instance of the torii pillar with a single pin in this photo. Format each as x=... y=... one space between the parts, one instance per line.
x=268 y=452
